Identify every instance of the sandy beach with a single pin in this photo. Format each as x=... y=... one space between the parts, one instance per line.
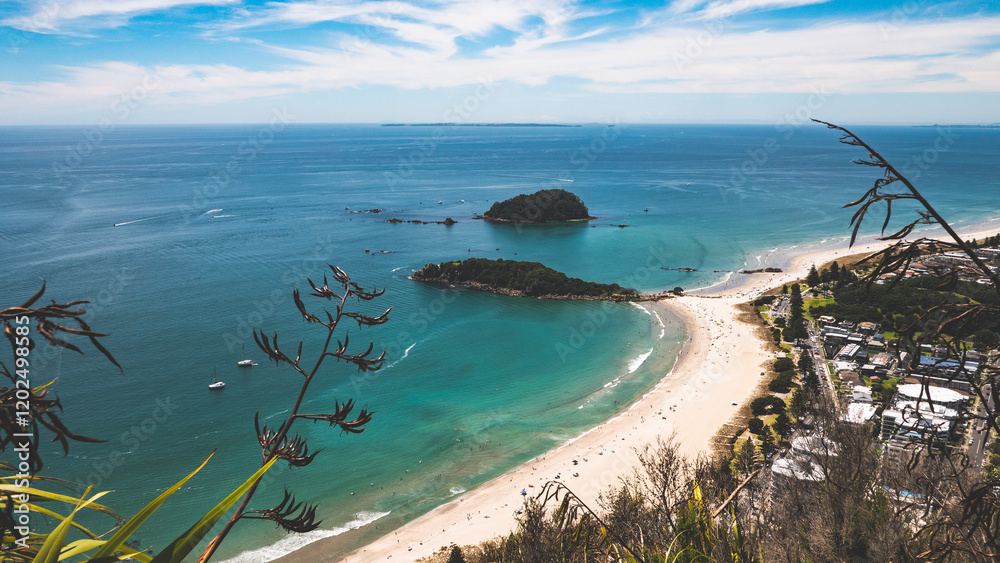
x=718 y=370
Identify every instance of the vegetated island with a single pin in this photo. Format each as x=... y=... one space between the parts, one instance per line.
x=543 y=206
x=524 y=279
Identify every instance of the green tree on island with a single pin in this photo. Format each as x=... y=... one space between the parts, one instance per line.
x=544 y=206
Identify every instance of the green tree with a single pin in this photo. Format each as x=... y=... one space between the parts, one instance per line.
x=835 y=272
x=456 y=555
x=755 y=425
x=543 y=206
x=783 y=426
x=797 y=406
x=813 y=279
x=985 y=339
x=746 y=459
x=783 y=364
x=768 y=444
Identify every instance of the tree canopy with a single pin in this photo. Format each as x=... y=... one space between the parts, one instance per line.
x=544 y=206
x=530 y=278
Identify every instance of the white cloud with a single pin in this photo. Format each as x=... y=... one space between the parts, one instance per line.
x=922 y=56
x=726 y=8
x=49 y=16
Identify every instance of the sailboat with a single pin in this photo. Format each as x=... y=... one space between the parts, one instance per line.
x=217 y=383
x=246 y=362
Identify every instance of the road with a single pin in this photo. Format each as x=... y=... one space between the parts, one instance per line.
x=977 y=448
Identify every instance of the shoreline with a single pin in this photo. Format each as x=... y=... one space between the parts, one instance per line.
x=719 y=364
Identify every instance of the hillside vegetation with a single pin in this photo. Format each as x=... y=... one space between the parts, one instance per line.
x=544 y=206
x=519 y=278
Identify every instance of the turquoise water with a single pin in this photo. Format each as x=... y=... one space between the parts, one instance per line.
x=475 y=383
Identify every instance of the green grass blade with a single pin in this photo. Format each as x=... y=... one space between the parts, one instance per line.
x=51 y=549
x=133 y=524
x=180 y=547
x=79 y=546
x=56 y=516
x=46 y=495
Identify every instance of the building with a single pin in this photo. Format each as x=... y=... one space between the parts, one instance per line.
x=908 y=423
x=918 y=392
x=921 y=411
x=861 y=394
x=860 y=413
x=848 y=352
x=803 y=461
x=953 y=374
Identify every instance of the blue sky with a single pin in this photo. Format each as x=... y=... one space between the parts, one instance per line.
x=339 y=61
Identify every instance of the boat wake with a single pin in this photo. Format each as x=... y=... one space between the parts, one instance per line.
x=535 y=177
x=403 y=357
x=210 y=211
x=136 y=221
x=297 y=541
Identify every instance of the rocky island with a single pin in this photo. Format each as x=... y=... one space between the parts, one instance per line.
x=544 y=206
x=528 y=279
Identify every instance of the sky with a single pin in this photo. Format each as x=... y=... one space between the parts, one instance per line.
x=89 y=62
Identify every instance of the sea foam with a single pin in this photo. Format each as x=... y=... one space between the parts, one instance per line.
x=297 y=541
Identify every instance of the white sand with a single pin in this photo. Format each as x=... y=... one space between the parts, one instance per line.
x=720 y=365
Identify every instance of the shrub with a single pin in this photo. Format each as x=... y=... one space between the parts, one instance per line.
x=784 y=364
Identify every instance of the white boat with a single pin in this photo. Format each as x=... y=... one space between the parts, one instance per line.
x=246 y=362
x=216 y=383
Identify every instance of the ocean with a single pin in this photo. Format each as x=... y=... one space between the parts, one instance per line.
x=186 y=238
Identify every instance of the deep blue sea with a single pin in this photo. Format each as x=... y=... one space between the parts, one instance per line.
x=185 y=238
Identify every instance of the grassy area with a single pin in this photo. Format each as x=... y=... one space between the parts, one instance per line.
x=808 y=304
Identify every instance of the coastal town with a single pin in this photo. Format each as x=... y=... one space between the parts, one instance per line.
x=909 y=394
